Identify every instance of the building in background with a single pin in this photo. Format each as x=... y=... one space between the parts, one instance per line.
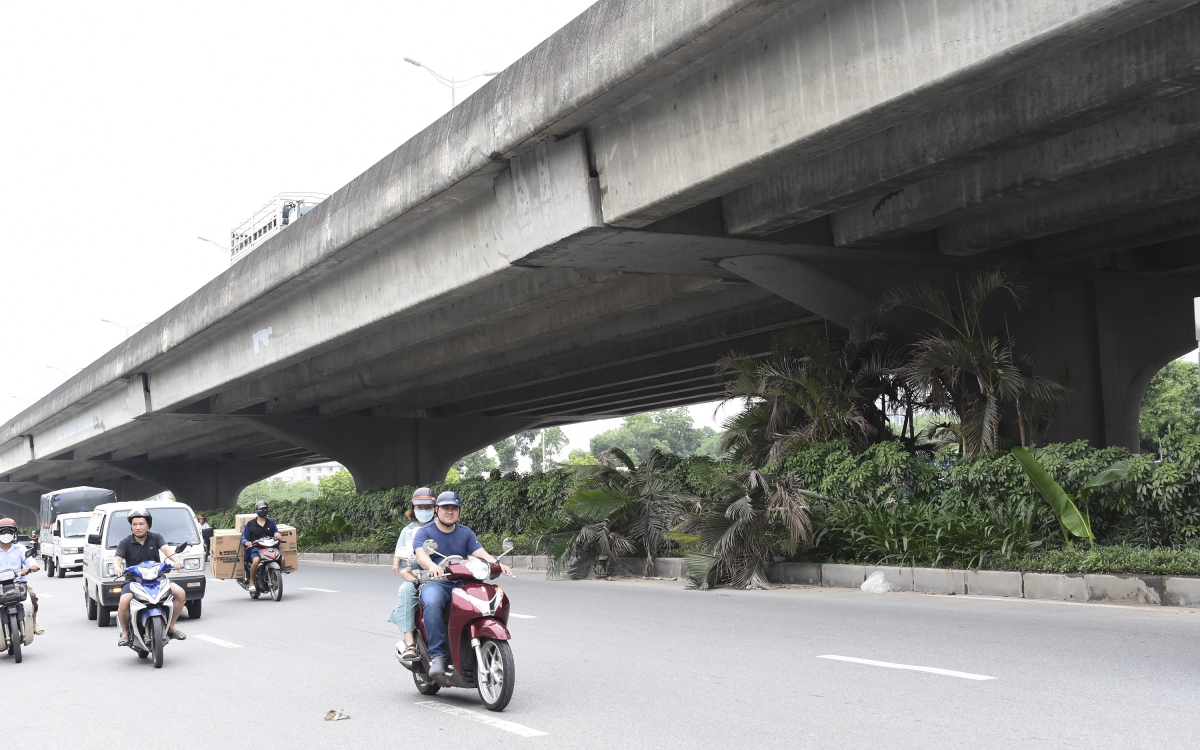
x=311 y=473
x=270 y=220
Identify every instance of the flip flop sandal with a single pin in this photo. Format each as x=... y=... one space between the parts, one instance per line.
x=410 y=653
x=123 y=642
x=177 y=635
x=39 y=631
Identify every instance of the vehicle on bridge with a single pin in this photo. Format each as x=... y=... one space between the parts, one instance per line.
x=61 y=547
x=270 y=220
x=70 y=500
x=107 y=527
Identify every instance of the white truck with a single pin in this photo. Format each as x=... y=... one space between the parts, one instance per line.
x=61 y=545
x=107 y=527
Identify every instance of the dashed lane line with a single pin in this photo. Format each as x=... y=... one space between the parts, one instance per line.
x=522 y=617
x=910 y=667
x=217 y=641
x=323 y=591
x=466 y=713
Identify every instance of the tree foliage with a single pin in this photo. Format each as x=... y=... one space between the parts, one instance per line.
x=1171 y=404
x=666 y=431
x=972 y=374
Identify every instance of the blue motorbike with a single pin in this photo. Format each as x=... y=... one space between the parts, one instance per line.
x=151 y=610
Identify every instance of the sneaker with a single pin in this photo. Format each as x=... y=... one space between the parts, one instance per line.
x=437 y=665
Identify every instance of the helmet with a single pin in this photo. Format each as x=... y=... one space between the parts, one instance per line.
x=449 y=498
x=260 y=505
x=423 y=496
x=140 y=513
x=8 y=523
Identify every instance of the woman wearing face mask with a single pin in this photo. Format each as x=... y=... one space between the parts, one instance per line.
x=420 y=514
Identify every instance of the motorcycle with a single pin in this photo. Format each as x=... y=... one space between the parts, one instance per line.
x=270 y=569
x=17 y=632
x=151 y=609
x=477 y=632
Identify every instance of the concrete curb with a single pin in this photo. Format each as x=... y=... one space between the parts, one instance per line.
x=1159 y=590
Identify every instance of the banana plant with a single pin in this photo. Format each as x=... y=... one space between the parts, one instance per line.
x=1064 y=504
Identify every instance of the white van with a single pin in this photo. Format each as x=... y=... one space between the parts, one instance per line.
x=62 y=544
x=107 y=527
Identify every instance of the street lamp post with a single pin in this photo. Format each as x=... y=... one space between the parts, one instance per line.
x=453 y=84
x=122 y=326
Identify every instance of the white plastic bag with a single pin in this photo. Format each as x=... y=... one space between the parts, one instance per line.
x=875 y=584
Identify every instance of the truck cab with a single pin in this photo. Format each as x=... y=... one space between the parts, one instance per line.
x=108 y=526
x=61 y=545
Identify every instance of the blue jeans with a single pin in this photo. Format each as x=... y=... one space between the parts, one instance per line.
x=406 y=608
x=435 y=598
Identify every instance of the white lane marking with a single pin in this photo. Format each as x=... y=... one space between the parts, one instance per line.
x=522 y=617
x=323 y=591
x=45 y=596
x=492 y=721
x=892 y=665
x=217 y=641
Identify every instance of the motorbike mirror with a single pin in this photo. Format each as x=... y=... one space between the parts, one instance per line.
x=93 y=538
x=182 y=547
x=429 y=546
x=506 y=546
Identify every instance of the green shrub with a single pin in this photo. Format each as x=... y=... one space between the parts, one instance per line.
x=1116 y=560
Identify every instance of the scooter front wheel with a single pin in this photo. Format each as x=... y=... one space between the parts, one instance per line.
x=158 y=635
x=14 y=635
x=496 y=676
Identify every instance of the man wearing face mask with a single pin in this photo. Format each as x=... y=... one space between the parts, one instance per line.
x=255 y=529
x=406 y=600
x=12 y=556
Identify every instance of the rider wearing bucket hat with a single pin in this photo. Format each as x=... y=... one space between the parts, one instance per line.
x=452 y=539
x=12 y=556
x=419 y=514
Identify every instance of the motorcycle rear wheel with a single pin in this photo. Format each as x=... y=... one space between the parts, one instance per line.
x=425 y=684
x=14 y=637
x=496 y=677
x=275 y=583
x=158 y=636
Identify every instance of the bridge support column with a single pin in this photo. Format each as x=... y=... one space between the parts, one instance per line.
x=19 y=510
x=204 y=485
x=386 y=452
x=1113 y=331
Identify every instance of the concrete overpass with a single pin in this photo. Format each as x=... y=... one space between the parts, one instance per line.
x=651 y=187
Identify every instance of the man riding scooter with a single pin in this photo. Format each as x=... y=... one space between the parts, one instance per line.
x=12 y=555
x=255 y=529
x=140 y=546
x=452 y=539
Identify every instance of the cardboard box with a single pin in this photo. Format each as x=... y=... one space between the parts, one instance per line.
x=225 y=553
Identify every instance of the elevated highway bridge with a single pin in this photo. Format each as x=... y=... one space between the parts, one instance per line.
x=651 y=187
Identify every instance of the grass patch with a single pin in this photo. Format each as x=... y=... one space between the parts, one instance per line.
x=1114 y=560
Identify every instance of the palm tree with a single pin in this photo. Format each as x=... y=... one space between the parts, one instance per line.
x=749 y=518
x=973 y=375
x=617 y=508
x=810 y=388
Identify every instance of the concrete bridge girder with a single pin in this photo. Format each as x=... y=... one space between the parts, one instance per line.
x=386 y=452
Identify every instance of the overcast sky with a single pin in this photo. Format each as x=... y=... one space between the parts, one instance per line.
x=131 y=129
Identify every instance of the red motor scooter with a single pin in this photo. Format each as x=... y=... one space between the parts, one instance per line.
x=476 y=632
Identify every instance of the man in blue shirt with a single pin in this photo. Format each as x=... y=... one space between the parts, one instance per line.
x=452 y=539
x=257 y=528
x=12 y=556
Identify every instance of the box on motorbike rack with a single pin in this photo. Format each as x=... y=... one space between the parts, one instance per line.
x=227 y=551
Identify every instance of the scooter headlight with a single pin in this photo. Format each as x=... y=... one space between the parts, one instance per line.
x=148 y=573
x=139 y=591
x=479 y=568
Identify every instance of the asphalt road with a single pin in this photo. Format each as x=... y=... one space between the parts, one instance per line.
x=637 y=664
